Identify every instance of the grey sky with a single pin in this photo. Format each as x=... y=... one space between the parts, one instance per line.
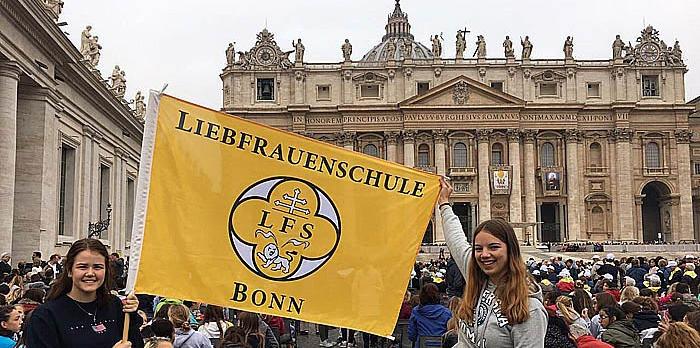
x=183 y=43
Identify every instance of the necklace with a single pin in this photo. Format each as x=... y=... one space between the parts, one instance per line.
x=98 y=328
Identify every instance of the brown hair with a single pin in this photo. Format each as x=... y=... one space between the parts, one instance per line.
x=647 y=303
x=582 y=300
x=679 y=335
x=63 y=284
x=453 y=305
x=429 y=294
x=604 y=299
x=693 y=319
x=514 y=292
x=566 y=307
x=179 y=315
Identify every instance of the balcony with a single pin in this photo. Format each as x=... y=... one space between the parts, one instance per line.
x=462 y=171
x=429 y=169
x=596 y=171
x=661 y=171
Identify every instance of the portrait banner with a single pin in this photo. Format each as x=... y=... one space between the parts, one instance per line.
x=241 y=215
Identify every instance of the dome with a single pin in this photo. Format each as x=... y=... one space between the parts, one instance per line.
x=398 y=34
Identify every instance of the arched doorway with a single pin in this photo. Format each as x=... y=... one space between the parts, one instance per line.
x=428 y=236
x=656 y=219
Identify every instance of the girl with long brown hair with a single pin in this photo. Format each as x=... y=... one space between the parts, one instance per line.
x=80 y=311
x=501 y=305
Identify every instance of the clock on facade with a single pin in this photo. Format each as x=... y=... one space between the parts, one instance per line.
x=649 y=52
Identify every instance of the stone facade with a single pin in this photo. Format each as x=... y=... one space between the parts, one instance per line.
x=581 y=149
x=69 y=147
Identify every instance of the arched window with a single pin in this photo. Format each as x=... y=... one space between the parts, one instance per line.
x=423 y=155
x=652 y=155
x=597 y=219
x=370 y=149
x=547 y=155
x=596 y=155
x=459 y=155
x=497 y=154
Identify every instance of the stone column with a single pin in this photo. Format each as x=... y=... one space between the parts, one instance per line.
x=638 y=202
x=409 y=143
x=9 y=80
x=391 y=141
x=348 y=140
x=572 y=185
x=86 y=182
x=529 y=181
x=116 y=225
x=516 y=214
x=686 y=200
x=440 y=168
x=484 y=149
x=625 y=197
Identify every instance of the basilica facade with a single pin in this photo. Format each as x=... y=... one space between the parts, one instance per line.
x=566 y=149
x=70 y=142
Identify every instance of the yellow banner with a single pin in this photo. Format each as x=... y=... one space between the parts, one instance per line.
x=247 y=216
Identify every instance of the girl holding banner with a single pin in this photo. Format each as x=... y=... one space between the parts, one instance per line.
x=501 y=306
x=80 y=311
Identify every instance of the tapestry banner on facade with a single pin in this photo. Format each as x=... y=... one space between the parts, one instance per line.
x=246 y=216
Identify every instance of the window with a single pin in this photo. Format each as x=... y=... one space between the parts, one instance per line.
x=369 y=91
x=597 y=219
x=593 y=89
x=423 y=87
x=459 y=159
x=66 y=193
x=652 y=155
x=104 y=191
x=547 y=155
x=323 y=92
x=423 y=155
x=696 y=168
x=130 y=196
x=650 y=85
x=497 y=85
x=548 y=89
x=596 y=155
x=266 y=89
x=497 y=154
x=370 y=149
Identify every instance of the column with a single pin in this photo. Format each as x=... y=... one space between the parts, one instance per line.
x=686 y=200
x=409 y=139
x=9 y=79
x=625 y=204
x=440 y=137
x=538 y=228
x=484 y=149
x=516 y=214
x=391 y=141
x=563 y=235
x=572 y=185
x=116 y=224
x=639 y=231
x=348 y=140
x=529 y=181
x=85 y=188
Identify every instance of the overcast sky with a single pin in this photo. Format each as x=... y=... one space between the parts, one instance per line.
x=182 y=43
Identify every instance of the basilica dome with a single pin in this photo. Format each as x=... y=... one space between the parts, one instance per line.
x=398 y=38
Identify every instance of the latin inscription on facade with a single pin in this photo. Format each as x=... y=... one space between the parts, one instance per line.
x=383 y=119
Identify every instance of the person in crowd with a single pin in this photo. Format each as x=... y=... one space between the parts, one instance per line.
x=583 y=303
x=691 y=278
x=693 y=319
x=584 y=339
x=565 y=309
x=619 y=331
x=628 y=293
x=609 y=267
x=185 y=336
x=636 y=272
x=54 y=265
x=251 y=327
x=10 y=326
x=557 y=334
x=679 y=335
x=454 y=279
x=80 y=311
x=610 y=287
x=450 y=338
x=5 y=266
x=347 y=336
x=566 y=282
x=602 y=300
x=430 y=317
x=213 y=324
x=406 y=306
x=235 y=337
x=31 y=299
x=161 y=333
x=496 y=281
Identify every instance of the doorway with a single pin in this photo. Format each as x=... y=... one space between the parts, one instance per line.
x=428 y=236
x=549 y=215
x=464 y=213
x=655 y=222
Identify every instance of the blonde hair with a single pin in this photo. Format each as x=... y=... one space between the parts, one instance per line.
x=628 y=293
x=566 y=307
x=454 y=304
x=679 y=335
x=179 y=315
x=514 y=293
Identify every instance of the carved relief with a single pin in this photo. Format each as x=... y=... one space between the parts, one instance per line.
x=409 y=135
x=266 y=54
x=460 y=93
x=650 y=50
x=572 y=135
x=683 y=135
x=513 y=135
x=621 y=134
x=483 y=135
x=440 y=135
x=529 y=135
x=391 y=137
x=438 y=72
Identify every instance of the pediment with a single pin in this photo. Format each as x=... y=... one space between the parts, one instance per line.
x=369 y=77
x=548 y=75
x=460 y=92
